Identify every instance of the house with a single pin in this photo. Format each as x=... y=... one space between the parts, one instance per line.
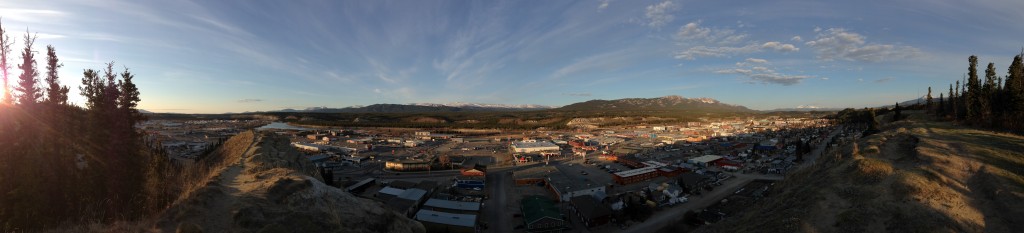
x=592 y=212
x=540 y=214
x=474 y=169
x=437 y=222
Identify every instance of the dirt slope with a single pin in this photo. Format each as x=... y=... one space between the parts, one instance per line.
x=270 y=188
x=915 y=176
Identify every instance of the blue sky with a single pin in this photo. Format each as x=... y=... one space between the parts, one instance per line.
x=234 y=56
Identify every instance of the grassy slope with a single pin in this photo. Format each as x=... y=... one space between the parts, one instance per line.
x=916 y=176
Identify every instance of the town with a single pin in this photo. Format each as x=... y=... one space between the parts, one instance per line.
x=636 y=178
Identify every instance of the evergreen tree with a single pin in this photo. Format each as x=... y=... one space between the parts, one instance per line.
x=928 y=100
x=5 y=53
x=987 y=95
x=55 y=93
x=897 y=113
x=1013 y=94
x=30 y=92
x=973 y=91
x=942 y=106
x=957 y=103
x=952 y=102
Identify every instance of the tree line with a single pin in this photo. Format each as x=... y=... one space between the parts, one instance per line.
x=995 y=102
x=61 y=163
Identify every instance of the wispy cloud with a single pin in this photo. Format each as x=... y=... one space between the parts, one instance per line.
x=840 y=44
x=603 y=4
x=250 y=100
x=884 y=80
x=708 y=42
x=582 y=94
x=758 y=72
x=661 y=14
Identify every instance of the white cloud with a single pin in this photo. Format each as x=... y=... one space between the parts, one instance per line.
x=884 y=80
x=839 y=44
x=797 y=39
x=722 y=51
x=603 y=5
x=780 y=47
x=757 y=60
x=714 y=42
x=763 y=74
x=660 y=14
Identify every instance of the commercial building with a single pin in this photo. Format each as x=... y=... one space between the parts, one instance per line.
x=533 y=146
x=635 y=175
x=474 y=169
x=410 y=164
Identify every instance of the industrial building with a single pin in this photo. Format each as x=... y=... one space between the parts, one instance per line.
x=533 y=146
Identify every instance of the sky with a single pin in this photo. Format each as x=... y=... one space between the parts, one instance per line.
x=260 y=55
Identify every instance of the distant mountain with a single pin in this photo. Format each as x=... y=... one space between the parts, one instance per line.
x=804 y=108
x=422 y=108
x=666 y=103
x=488 y=106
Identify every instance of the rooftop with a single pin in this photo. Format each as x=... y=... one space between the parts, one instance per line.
x=465 y=220
x=455 y=205
x=533 y=144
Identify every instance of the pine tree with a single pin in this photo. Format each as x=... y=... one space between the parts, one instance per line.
x=1013 y=93
x=30 y=92
x=897 y=113
x=987 y=96
x=952 y=102
x=928 y=100
x=957 y=103
x=55 y=93
x=973 y=91
x=5 y=53
x=942 y=106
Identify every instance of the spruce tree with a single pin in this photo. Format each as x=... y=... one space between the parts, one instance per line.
x=942 y=106
x=973 y=91
x=987 y=96
x=897 y=113
x=29 y=91
x=55 y=93
x=928 y=100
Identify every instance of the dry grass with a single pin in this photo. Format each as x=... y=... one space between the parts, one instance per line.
x=871 y=170
x=915 y=176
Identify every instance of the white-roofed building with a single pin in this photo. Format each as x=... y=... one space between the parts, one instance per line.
x=533 y=146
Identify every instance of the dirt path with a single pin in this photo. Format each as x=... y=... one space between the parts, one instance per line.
x=229 y=180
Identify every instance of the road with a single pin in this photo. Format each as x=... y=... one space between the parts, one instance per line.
x=495 y=208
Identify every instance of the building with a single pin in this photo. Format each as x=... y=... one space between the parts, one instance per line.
x=705 y=161
x=437 y=222
x=449 y=206
x=592 y=212
x=474 y=169
x=540 y=214
x=635 y=175
x=469 y=182
x=564 y=186
x=410 y=164
x=533 y=146
x=408 y=201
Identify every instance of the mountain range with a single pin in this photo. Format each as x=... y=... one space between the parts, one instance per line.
x=665 y=103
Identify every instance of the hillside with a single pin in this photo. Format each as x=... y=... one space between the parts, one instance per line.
x=269 y=187
x=666 y=103
x=915 y=176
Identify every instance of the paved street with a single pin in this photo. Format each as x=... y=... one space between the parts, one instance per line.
x=495 y=209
